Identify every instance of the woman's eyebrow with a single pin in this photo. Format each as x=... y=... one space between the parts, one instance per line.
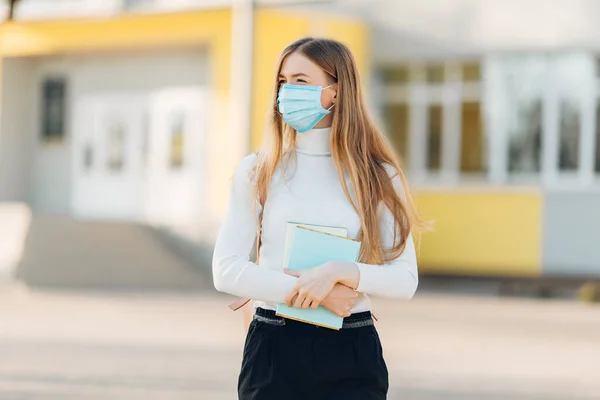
x=296 y=75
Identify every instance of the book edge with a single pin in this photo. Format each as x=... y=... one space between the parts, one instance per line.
x=307 y=321
x=326 y=233
x=281 y=313
x=317 y=225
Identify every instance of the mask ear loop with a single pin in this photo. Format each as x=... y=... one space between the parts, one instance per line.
x=327 y=87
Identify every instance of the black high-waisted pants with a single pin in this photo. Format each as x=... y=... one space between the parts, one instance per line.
x=289 y=360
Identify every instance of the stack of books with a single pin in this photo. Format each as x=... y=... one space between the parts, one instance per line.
x=308 y=246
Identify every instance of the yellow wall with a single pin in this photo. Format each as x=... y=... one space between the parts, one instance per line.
x=481 y=233
x=355 y=35
x=274 y=30
x=211 y=28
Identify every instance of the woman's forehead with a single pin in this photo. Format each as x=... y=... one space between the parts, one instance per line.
x=296 y=63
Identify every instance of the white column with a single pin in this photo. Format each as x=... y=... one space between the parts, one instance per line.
x=550 y=130
x=242 y=46
x=230 y=118
x=495 y=109
x=418 y=134
x=452 y=121
x=3 y=180
x=452 y=137
x=587 y=142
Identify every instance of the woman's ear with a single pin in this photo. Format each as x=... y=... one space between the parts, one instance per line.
x=334 y=98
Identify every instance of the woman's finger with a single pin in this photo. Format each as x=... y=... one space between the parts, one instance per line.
x=306 y=303
x=315 y=301
x=289 y=299
x=300 y=299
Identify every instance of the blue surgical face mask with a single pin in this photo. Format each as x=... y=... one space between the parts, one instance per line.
x=300 y=106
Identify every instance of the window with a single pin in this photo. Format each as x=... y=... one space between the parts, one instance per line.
x=515 y=90
x=435 y=73
x=472 y=142
x=471 y=72
x=396 y=117
x=525 y=138
x=569 y=137
x=395 y=74
x=88 y=157
x=53 y=109
x=177 y=140
x=115 y=144
x=597 y=163
x=537 y=106
x=434 y=142
x=437 y=91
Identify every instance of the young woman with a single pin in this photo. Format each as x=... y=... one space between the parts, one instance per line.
x=325 y=163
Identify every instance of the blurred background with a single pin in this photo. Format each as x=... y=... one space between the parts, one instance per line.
x=121 y=123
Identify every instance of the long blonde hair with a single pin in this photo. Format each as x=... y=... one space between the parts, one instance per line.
x=358 y=148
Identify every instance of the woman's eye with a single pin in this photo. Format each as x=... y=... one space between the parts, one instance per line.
x=301 y=81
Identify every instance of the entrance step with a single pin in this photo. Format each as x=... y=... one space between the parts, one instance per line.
x=62 y=252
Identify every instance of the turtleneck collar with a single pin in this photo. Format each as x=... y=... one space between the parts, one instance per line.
x=314 y=142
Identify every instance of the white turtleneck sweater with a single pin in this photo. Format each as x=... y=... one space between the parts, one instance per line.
x=311 y=194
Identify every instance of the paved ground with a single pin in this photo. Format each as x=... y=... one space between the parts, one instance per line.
x=69 y=345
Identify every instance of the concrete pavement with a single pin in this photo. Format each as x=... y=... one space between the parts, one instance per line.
x=85 y=345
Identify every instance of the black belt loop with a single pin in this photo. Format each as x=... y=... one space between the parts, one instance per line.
x=270 y=320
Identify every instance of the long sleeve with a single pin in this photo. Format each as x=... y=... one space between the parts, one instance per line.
x=397 y=278
x=233 y=272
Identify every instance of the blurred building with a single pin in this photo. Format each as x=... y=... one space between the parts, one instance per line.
x=139 y=110
x=495 y=107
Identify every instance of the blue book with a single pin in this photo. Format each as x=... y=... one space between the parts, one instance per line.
x=311 y=248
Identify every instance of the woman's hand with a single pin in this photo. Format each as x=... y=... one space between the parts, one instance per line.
x=340 y=300
x=313 y=286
